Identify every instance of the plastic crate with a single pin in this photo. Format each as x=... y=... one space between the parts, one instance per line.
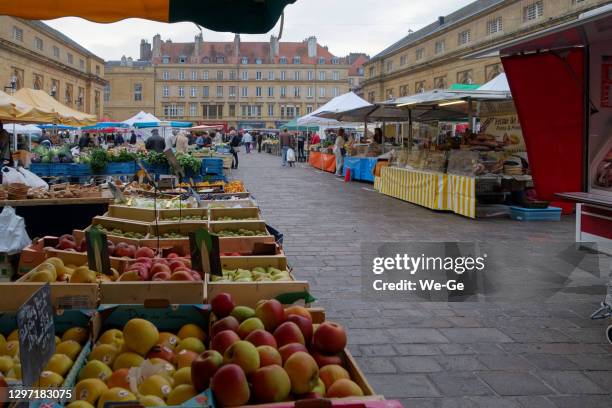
x=40 y=169
x=212 y=166
x=535 y=214
x=60 y=169
x=80 y=169
x=154 y=169
x=121 y=168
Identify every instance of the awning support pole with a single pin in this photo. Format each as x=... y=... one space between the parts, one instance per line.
x=471 y=115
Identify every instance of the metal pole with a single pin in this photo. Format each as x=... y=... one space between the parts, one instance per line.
x=410 y=136
x=471 y=115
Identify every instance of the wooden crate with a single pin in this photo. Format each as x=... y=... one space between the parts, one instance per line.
x=180 y=227
x=246 y=213
x=249 y=293
x=167 y=215
x=243 y=245
x=63 y=295
x=80 y=258
x=260 y=226
x=250 y=262
x=172 y=292
x=238 y=203
x=123 y=225
x=131 y=213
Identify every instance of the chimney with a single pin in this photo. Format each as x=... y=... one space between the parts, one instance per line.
x=237 y=45
x=157 y=42
x=198 y=48
x=312 y=47
x=145 y=50
x=274 y=47
x=441 y=20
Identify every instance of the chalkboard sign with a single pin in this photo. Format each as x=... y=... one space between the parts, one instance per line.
x=36 y=334
x=205 y=255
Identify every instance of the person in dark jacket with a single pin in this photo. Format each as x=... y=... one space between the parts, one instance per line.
x=155 y=142
x=119 y=139
x=84 y=140
x=234 y=145
x=133 y=138
x=259 y=141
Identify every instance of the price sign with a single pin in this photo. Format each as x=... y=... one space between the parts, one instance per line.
x=36 y=334
x=97 y=251
x=205 y=255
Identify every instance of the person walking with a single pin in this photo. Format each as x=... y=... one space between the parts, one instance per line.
x=133 y=138
x=200 y=141
x=155 y=142
x=301 y=141
x=234 y=146
x=170 y=139
x=259 y=142
x=339 y=151
x=182 y=141
x=118 y=140
x=286 y=142
x=247 y=139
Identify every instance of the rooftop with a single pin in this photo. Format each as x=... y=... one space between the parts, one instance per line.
x=453 y=18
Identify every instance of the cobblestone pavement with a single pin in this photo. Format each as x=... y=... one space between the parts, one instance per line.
x=432 y=354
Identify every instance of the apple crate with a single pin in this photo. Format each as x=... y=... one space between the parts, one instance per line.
x=34 y=254
x=64 y=295
x=250 y=262
x=249 y=293
x=182 y=228
x=131 y=213
x=63 y=321
x=239 y=214
x=236 y=203
x=124 y=225
x=171 y=216
x=80 y=258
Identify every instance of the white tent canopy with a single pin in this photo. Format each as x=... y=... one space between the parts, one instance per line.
x=141 y=117
x=22 y=129
x=497 y=84
x=340 y=103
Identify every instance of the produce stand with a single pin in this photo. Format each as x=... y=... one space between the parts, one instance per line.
x=57 y=216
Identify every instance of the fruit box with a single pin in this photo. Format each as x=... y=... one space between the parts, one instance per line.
x=249 y=293
x=250 y=262
x=172 y=292
x=80 y=258
x=63 y=320
x=249 y=213
x=171 y=215
x=238 y=203
x=182 y=228
x=123 y=225
x=131 y=213
x=34 y=254
x=257 y=226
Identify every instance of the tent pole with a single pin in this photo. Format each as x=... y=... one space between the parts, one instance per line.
x=471 y=115
x=410 y=128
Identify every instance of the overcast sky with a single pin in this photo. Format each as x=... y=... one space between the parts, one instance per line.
x=344 y=25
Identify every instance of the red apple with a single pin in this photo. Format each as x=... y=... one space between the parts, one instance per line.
x=271 y=313
x=65 y=244
x=204 y=367
x=181 y=276
x=326 y=359
x=227 y=323
x=196 y=276
x=145 y=252
x=161 y=351
x=288 y=332
x=161 y=276
x=330 y=338
x=111 y=247
x=177 y=264
x=67 y=236
x=158 y=261
x=144 y=260
x=298 y=310
x=83 y=247
x=261 y=338
x=268 y=355
x=223 y=340
x=182 y=268
x=287 y=350
x=305 y=326
x=270 y=384
x=222 y=305
x=160 y=268
x=186 y=262
x=172 y=255
x=230 y=387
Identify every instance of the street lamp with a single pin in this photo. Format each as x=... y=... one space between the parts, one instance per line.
x=12 y=84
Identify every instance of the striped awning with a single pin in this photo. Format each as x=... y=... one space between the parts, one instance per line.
x=237 y=16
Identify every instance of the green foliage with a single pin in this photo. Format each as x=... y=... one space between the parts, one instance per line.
x=154 y=158
x=99 y=159
x=124 y=156
x=189 y=163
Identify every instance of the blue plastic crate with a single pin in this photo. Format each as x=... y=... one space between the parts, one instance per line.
x=80 y=169
x=121 y=168
x=535 y=214
x=40 y=169
x=154 y=169
x=60 y=169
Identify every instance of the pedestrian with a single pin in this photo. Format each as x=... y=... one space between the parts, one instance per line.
x=119 y=139
x=5 y=146
x=286 y=142
x=234 y=145
x=182 y=141
x=170 y=139
x=200 y=140
x=301 y=140
x=207 y=140
x=133 y=138
x=83 y=141
x=339 y=151
x=155 y=142
x=259 y=141
x=247 y=139
x=218 y=137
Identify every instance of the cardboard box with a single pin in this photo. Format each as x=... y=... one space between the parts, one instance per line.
x=131 y=213
x=246 y=213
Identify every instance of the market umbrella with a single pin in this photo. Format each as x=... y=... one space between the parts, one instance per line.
x=67 y=116
x=140 y=117
x=244 y=16
x=13 y=109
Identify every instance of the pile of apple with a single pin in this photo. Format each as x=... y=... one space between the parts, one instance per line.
x=257 y=274
x=271 y=354
x=139 y=363
x=67 y=349
x=172 y=268
x=54 y=270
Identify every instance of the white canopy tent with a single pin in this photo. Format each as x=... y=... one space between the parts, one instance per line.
x=16 y=128
x=340 y=103
x=141 y=117
x=497 y=84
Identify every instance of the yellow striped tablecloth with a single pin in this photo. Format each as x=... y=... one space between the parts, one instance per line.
x=377 y=183
x=437 y=191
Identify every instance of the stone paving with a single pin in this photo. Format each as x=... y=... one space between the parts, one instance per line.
x=432 y=354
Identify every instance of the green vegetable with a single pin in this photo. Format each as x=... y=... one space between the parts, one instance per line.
x=99 y=160
x=189 y=163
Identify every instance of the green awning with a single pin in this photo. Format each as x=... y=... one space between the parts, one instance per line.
x=464 y=87
x=292 y=125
